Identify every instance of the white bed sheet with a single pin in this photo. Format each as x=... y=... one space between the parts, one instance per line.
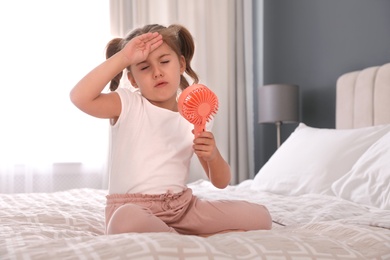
x=70 y=225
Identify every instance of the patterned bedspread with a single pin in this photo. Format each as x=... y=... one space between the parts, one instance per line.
x=70 y=225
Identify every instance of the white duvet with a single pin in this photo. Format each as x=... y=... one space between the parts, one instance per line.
x=70 y=225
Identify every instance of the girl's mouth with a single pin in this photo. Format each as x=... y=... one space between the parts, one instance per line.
x=160 y=84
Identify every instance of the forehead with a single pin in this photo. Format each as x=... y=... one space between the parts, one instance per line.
x=163 y=49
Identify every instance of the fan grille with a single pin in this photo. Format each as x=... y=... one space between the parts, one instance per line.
x=199 y=105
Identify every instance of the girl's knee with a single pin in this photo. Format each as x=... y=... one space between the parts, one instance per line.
x=265 y=218
x=134 y=218
x=127 y=218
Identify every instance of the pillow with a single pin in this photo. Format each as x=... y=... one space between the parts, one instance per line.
x=311 y=159
x=368 y=182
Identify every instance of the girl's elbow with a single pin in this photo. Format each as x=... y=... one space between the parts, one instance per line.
x=222 y=184
x=74 y=98
x=77 y=100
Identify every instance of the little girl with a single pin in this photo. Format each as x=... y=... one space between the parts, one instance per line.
x=152 y=144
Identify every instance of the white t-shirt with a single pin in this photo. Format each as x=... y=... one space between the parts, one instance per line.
x=151 y=148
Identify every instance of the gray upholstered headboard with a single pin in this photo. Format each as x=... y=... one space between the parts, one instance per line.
x=363 y=98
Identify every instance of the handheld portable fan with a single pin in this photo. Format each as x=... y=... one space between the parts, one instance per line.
x=197 y=104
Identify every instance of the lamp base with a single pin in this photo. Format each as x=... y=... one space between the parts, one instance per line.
x=278 y=124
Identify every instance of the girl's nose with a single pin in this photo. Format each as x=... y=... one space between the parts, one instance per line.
x=157 y=74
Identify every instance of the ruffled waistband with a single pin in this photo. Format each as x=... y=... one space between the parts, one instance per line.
x=137 y=197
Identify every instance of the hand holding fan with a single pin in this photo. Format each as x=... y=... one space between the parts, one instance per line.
x=197 y=104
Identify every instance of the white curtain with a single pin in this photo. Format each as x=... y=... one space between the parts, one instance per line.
x=222 y=30
x=46 y=46
x=46 y=144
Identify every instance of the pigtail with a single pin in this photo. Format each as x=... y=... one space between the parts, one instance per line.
x=113 y=47
x=187 y=49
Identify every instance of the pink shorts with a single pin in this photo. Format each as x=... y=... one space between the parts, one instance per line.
x=182 y=213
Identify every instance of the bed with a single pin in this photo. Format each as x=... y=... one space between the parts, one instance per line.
x=328 y=191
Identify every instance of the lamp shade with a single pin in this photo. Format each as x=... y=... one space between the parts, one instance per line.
x=278 y=103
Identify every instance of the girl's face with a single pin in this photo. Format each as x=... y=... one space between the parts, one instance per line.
x=158 y=77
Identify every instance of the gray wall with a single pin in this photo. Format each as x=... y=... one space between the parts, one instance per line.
x=311 y=43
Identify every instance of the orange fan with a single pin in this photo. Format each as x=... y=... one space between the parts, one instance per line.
x=197 y=104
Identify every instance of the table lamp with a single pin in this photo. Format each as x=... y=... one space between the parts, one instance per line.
x=278 y=103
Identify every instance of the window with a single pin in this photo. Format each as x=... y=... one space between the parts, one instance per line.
x=45 y=48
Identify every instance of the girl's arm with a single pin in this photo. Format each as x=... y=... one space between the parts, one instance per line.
x=87 y=94
x=215 y=166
